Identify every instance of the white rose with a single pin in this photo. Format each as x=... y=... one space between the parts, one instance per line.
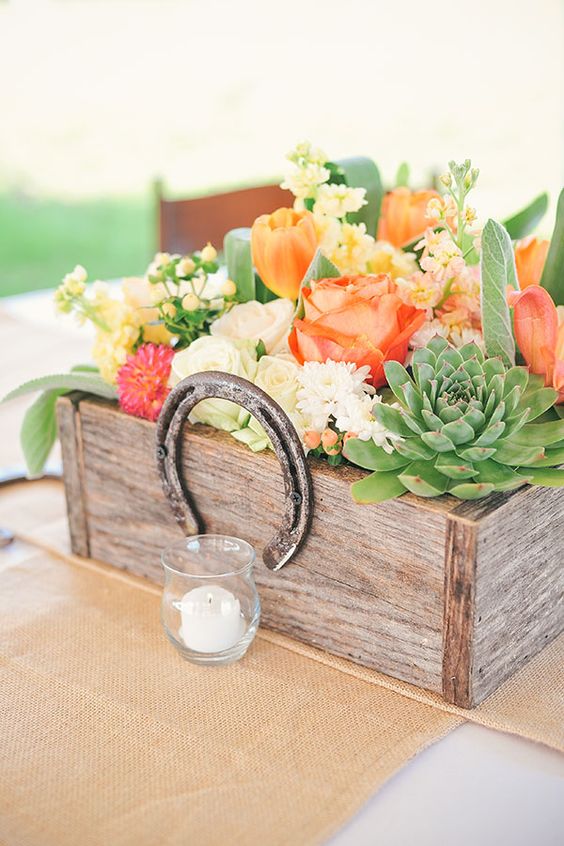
x=278 y=377
x=209 y=353
x=269 y=323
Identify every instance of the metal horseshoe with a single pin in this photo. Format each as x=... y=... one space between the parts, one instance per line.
x=298 y=486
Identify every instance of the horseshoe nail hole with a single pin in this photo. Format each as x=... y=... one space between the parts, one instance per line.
x=481 y=671
x=480 y=618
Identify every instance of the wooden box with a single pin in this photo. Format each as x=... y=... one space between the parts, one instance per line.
x=448 y=595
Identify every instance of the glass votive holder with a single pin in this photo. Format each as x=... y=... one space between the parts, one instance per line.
x=210 y=607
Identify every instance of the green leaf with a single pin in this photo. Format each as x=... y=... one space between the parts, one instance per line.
x=422 y=479
x=539 y=434
x=320 y=268
x=437 y=441
x=371 y=457
x=377 y=487
x=362 y=172
x=552 y=458
x=525 y=221
x=553 y=274
x=391 y=419
x=237 y=249
x=476 y=453
x=414 y=449
x=402 y=175
x=498 y=271
x=546 y=477
x=516 y=455
x=262 y=293
x=469 y=490
x=502 y=477
x=397 y=376
x=458 y=431
x=449 y=464
x=538 y=401
x=39 y=431
x=90 y=383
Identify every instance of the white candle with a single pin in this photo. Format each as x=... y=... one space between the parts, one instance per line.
x=211 y=619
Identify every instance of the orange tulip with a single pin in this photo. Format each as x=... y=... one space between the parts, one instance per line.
x=360 y=319
x=402 y=218
x=539 y=337
x=530 y=256
x=283 y=244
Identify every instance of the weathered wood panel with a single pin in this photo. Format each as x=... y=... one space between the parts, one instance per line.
x=451 y=596
x=519 y=591
x=70 y=434
x=368 y=583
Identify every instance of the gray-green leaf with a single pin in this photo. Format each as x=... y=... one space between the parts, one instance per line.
x=90 y=383
x=362 y=172
x=498 y=271
x=39 y=431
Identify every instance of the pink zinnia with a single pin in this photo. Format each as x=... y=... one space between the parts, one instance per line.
x=143 y=380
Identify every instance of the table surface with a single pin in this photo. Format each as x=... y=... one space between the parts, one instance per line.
x=473 y=786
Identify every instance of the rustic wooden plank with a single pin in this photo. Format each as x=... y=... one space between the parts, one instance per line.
x=519 y=593
x=70 y=434
x=367 y=584
x=460 y=579
x=451 y=596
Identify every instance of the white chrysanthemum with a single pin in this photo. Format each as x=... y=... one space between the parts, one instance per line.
x=339 y=200
x=304 y=181
x=326 y=388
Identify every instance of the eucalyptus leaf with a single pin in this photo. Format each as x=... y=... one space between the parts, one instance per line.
x=553 y=273
x=320 y=267
x=39 y=431
x=237 y=249
x=525 y=221
x=362 y=172
x=498 y=271
x=90 y=383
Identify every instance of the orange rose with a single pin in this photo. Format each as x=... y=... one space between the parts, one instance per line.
x=530 y=256
x=402 y=218
x=283 y=244
x=355 y=318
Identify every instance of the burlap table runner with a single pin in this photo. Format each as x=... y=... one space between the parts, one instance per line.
x=108 y=737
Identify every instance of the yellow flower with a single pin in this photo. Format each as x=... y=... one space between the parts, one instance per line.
x=139 y=294
x=112 y=347
x=388 y=259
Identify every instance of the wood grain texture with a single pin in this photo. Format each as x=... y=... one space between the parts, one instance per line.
x=519 y=591
x=367 y=584
x=460 y=581
x=68 y=420
x=450 y=596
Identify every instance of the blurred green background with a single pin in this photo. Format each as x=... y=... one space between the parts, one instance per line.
x=100 y=97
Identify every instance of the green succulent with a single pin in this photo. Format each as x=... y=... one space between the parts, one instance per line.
x=468 y=427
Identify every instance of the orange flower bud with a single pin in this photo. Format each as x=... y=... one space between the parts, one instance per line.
x=283 y=244
x=312 y=439
x=330 y=439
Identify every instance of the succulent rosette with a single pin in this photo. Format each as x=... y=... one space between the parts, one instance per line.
x=468 y=427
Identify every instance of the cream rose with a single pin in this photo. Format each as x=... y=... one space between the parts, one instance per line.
x=278 y=377
x=209 y=353
x=269 y=323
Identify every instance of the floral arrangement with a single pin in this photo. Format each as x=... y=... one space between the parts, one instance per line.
x=395 y=331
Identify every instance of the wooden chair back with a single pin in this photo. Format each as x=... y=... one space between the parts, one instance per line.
x=187 y=225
